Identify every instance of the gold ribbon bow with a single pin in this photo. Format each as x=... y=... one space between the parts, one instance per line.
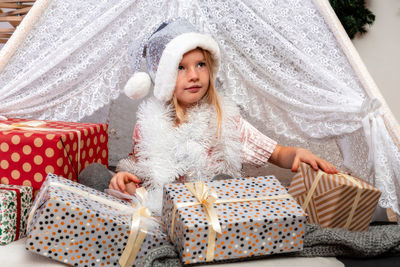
x=355 y=202
x=207 y=198
x=138 y=230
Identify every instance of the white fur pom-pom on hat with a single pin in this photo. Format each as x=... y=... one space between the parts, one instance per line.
x=138 y=86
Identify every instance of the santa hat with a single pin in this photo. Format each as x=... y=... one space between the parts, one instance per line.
x=163 y=52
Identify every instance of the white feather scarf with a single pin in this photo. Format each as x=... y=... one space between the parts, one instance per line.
x=191 y=150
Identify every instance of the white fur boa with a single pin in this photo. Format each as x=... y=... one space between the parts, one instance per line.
x=192 y=150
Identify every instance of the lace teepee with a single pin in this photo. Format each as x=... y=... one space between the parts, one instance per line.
x=283 y=63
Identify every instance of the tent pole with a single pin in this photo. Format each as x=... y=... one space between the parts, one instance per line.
x=359 y=67
x=21 y=32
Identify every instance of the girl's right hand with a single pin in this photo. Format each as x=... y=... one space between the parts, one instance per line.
x=124 y=182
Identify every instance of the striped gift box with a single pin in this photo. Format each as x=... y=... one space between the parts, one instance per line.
x=334 y=200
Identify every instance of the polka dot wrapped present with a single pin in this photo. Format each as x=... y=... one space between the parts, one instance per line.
x=80 y=226
x=15 y=203
x=31 y=149
x=232 y=219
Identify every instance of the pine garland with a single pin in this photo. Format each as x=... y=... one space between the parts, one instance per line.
x=353 y=15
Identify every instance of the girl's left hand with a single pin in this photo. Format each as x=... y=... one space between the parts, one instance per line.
x=306 y=156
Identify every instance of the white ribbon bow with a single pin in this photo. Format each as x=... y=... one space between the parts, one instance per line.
x=372 y=122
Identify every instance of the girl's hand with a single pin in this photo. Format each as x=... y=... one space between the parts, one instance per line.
x=124 y=182
x=306 y=156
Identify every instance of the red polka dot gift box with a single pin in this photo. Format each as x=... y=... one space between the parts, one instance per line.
x=15 y=203
x=80 y=226
x=334 y=200
x=232 y=219
x=31 y=149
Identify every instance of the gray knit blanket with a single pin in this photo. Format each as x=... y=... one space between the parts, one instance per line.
x=379 y=240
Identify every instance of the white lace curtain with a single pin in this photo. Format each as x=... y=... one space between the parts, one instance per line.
x=281 y=62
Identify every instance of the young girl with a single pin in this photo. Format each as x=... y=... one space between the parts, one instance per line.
x=188 y=131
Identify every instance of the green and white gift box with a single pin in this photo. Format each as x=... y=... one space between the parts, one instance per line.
x=15 y=203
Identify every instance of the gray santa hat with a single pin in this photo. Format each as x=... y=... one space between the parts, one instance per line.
x=163 y=52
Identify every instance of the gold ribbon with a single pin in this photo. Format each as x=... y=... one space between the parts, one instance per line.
x=30 y=125
x=207 y=198
x=23 y=125
x=138 y=230
x=355 y=202
x=121 y=207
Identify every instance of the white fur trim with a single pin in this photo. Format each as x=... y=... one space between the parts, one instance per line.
x=165 y=153
x=167 y=69
x=138 y=86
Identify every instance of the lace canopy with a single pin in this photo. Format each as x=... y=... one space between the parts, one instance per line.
x=282 y=63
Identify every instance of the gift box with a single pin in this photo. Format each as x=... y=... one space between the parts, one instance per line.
x=80 y=226
x=334 y=200
x=232 y=219
x=31 y=149
x=15 y=203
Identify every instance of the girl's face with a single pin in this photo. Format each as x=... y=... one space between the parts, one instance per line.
x=193 y=78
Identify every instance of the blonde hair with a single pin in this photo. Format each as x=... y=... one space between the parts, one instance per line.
x=210 y=95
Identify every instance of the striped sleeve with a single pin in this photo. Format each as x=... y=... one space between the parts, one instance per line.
x=257 y=148
x=135 y=141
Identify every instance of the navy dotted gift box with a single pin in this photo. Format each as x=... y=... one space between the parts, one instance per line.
x=82 y=229
x=257 y=217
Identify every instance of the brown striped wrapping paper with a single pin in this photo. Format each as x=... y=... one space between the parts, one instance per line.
x=338 y=201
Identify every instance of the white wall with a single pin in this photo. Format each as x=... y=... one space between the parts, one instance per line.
x=379 y=48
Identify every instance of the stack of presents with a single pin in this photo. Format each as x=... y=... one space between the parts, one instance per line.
x=41 y=198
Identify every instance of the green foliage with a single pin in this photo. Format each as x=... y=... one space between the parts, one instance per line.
x=353 y=15
x=11 y=205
